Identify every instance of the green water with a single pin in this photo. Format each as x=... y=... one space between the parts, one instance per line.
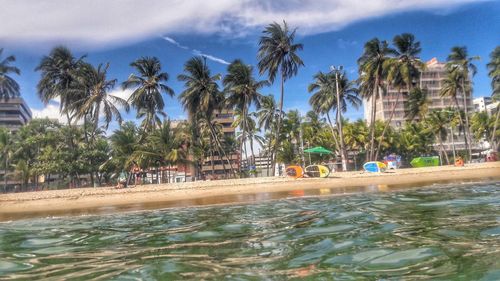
x=428 y=233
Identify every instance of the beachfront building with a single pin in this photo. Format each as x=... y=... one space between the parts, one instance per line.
x=431 y=79
x=481 y=103
x=217 y=166
x=14 y=113
x=485 y=104
x=260 y=163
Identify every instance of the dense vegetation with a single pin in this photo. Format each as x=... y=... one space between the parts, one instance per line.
x=81 y=147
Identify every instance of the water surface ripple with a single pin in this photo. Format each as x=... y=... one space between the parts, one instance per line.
x=428 y=233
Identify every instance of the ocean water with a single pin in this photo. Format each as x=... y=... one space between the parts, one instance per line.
x=434 y=233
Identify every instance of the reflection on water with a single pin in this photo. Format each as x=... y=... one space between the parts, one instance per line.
x=225 y=199
x=431 y=233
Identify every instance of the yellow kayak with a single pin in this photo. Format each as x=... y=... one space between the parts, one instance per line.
x=317 y=171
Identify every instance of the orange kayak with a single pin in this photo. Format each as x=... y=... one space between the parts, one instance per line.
x=294 y=171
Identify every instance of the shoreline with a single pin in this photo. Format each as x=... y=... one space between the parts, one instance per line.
x=108 y=199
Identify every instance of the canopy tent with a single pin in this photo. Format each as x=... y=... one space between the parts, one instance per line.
x=318 y=150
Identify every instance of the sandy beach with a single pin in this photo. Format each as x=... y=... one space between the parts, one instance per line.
x=66 y=201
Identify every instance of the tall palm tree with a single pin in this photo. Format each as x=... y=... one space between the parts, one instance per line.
x=324 y=98
x=461 y=61
x=148 y=86
x=267 y=117
x=96 y=99
x=494 y=73
x=242 y=91
x=437 y=124
x=327 y=90
x=372 y=73
x=451 y=87
x=201 y=97
x=278 y=54
x=58 y=77
x=403 y=70
x=8 y=86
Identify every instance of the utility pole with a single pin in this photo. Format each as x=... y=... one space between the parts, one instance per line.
x=343 y=153
x=301 y=141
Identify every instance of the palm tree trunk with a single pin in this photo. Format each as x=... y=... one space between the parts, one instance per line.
x=387 y=124
x=372 y=125
x=343 y=152
x=278 y=127
x=453 y=143
x=493 y=143
x=467 y=129
x=337 y=146
x=252 y=152
x=244 y=133
x=5 y=172
x=461 y=121
x=444 y=151
x=221 y=150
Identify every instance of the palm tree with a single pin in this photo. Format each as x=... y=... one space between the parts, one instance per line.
x=482 y=126
x=327 y=90
x=460 y=61
x=242 y=92
x=372 y=73
x=417 y=104
x=8 y=86
x=324 y=98
x=5 y=149
x=403 y=70
x=201 y=97
x=148 y=86
x=494 y=73
x=96 y=98
x=59 y=70
x=267 y=117
x=278 y=53
x=437 y=124
x=451 y=86
x=124 y=141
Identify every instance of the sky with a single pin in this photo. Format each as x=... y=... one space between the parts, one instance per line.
x=333 y=32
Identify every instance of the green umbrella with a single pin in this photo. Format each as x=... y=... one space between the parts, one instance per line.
x=319 y=150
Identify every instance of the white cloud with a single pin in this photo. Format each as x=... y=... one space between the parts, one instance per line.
x=97 y=23
x=210 y=57
x=171 y=40
x=194 y=51
x=50 y=111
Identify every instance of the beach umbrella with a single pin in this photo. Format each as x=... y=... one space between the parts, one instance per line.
x=318 y=150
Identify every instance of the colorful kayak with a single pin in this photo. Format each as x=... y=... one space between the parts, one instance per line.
x=375 y=167
x=425 y=162
x=294 y=171
x=317 y=171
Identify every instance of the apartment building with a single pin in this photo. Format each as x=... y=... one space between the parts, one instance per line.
x=217 y=166
x=14 y=113
x=432 y=80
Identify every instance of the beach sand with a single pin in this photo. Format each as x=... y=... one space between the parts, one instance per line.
x=64 y=201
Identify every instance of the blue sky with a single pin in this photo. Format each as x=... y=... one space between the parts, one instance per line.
x=333 y=33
